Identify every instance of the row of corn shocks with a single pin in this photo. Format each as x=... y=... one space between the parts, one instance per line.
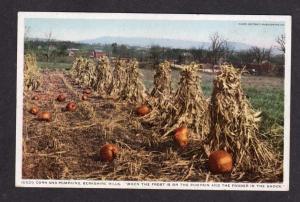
x=226 y=124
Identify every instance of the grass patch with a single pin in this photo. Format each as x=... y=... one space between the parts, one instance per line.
x=271 y=102
x=268 y=100
x=207 y=89
x=54 y=65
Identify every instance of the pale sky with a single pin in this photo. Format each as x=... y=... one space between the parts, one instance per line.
x=262 y=34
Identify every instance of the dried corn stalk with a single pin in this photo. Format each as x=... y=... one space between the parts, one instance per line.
x=162 y=84
x=83 y=71
x=87 y=73
x=31 y=73
x=102 y=76
x=161 y=93
x=234 y=125
x=134 y=91
x=76 y=67
x=118 y=79
x=190 y=107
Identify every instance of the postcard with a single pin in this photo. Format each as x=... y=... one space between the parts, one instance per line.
x=153 y=101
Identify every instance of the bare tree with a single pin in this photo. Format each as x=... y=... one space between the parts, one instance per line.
x=218 y=45
x=26 y=38
x=268 y=53
x=260 y=54
x=281 y=42
x=244 y=56
x=227 y=50
x=48 y=41
x=26 y=33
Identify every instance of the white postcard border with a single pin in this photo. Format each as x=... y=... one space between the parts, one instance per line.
x=19 y=182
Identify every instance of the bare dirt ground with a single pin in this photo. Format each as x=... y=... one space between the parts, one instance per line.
x=68 y=146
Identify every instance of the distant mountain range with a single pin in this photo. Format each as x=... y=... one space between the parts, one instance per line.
x=172 y=43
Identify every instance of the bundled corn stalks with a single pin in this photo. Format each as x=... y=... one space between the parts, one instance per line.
x=234 y=125
x=126 y=83
x=161 y=93
x=134 y=91
x=31 y=74
x=83 y=71
x=162 y=84
x=102 y=76
x=118 y=80
x=190 y=108
x=87 y=73
x=77 y=68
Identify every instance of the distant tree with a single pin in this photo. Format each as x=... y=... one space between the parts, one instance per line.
x=269 y=53
x=123 y=51
x=49 y=45
x=62 y=49
x=173 y=53
x=27 y=38
x=216 y=48
x=155 y=52
x=226 y=50
x=280 y=40
x=244 y=57
x=260 y=54
x=27 y=33
x=114 y=49
x=198 y=53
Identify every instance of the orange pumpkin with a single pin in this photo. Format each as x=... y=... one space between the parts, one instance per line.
x=220 y=162
x=108 y=152
x=143 y=110
x=181 y=136
x=44 y=116
x=71 y=106
x=34 y=110
x=61 y=98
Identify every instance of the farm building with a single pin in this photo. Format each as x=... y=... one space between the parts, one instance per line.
x=265 y=68
x=72 y=51
x=97 y=54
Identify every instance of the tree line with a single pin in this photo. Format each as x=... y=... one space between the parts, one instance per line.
x=220 y=50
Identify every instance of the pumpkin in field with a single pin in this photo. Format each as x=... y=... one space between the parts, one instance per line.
x=44 y=116
x=108 y=152
x=143 y=110
x=71 y=106
x=34 y=110
x=61 y=98
x=181 y=136
x=220 y=162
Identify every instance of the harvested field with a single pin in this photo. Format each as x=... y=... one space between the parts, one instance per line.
x=261 y=82
x=68 y=146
